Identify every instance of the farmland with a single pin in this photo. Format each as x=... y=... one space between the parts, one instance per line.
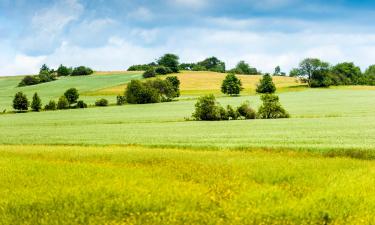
x=99 y=165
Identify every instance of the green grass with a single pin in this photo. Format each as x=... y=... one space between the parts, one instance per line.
x=133 y=185
x=322 y=120
x=53 y=90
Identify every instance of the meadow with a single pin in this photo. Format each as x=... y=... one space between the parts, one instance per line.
x=150 y=164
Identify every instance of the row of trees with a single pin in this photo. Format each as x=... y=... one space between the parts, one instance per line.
x=208 y=109
x=47 y=75
x=232 y=85
x=70 y=100
x=317 y=73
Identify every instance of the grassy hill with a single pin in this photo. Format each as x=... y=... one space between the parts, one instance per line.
x=147 y=164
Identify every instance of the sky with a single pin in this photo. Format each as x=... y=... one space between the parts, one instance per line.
x=114 y=34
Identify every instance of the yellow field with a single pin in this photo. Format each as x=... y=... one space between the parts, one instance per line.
x=196 y=83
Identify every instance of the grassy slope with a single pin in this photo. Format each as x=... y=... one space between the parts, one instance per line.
x=321 y=121
x=53 y=90
x=113 y=185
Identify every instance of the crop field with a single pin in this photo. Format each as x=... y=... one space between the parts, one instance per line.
x=151 y=164
x=135 y=185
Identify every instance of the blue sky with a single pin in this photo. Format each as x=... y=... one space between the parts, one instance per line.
x=113 y=34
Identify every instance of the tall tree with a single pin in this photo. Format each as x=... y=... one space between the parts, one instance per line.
x=266 y=85
x=231 y=85
x=20 y=102
x=170 y=61
x=311 y=68
x=36 y=104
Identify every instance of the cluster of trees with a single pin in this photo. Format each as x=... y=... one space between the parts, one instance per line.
x=70 y=100
x=208 y=109
x=209 y=64
x=47 y=75
x=166 y=64
x=317 y=73
x=151 y=91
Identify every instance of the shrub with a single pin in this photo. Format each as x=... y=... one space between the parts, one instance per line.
x=142 y=67
x=149 y=73
x=82 y=71
x=20 y=102
x=175 y=83
x=63 y=71
x=232 y=114
x=50 y=106
x=29 y=80
x=207 y=108
x=266 y=85
x=162 y=70
x=101 y=102
x=121 y=100
x=164 y=89
x=246 y=111
x=36 y=104
x=71 y=95
x=63 y=103
x=231 y=85
x=81 y=105
x=46 y=76
x=271 y=108
x=137 y=93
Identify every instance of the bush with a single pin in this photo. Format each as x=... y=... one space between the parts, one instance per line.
x=207 y=108
x=266 y=85
x=142 y=67
x=71 y=95
x=101 y=102
x=20 y=102
x=271 y=108
x=50 y=106
x=81 y=105
x=137 y=93
x=63 y=103
x=162 y=70
x=121 y=100
x=164 y=88
x=231 y=85
x=149 y=73
x=175 y=83
x=29 y=80
x=82 y=71
x=36 y=104
x=63 y=71
x=232 y=114
x=46 y=76
x=246 y=111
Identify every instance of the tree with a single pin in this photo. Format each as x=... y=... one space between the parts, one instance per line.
x=71 y=95
x=149 y=73
x=36 y=104
x=82 y=71
x=20 y=102
x=175 y=83
x=294 y=72
x=244 y=68
x=44 y=68
x=162 y=70
x=277 y=71
x=246 y=111
x=266 y=85
x=63 y=103
x=101 y=102
x=369 y=76
x=63 y=71
x=50 y=106
x=164 y=88
x=231 y=85
x=315 y=72
x=212 y=64
x=207 y=108
x=137 y=93
x=271 y=108
x=346 y=73
x=170 y=61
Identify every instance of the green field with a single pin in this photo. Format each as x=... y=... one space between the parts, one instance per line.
x=147 y=164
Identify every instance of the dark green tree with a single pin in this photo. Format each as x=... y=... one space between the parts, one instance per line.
x=243 y=68
x=71 y=95
x=149 y=73
x=170 y=61
x=63 y=71
x=63 y=103
x=20 y=102
x=231 y=85
x=266 y=85
x=315 y=72
x=346 y=73
x=277 y=71
x=207 y=108
x=36 y=104
x=211 y=64
x=50 y=106
x=175 y=83
x=294 y=72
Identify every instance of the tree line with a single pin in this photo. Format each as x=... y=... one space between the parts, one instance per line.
x=47 y=75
